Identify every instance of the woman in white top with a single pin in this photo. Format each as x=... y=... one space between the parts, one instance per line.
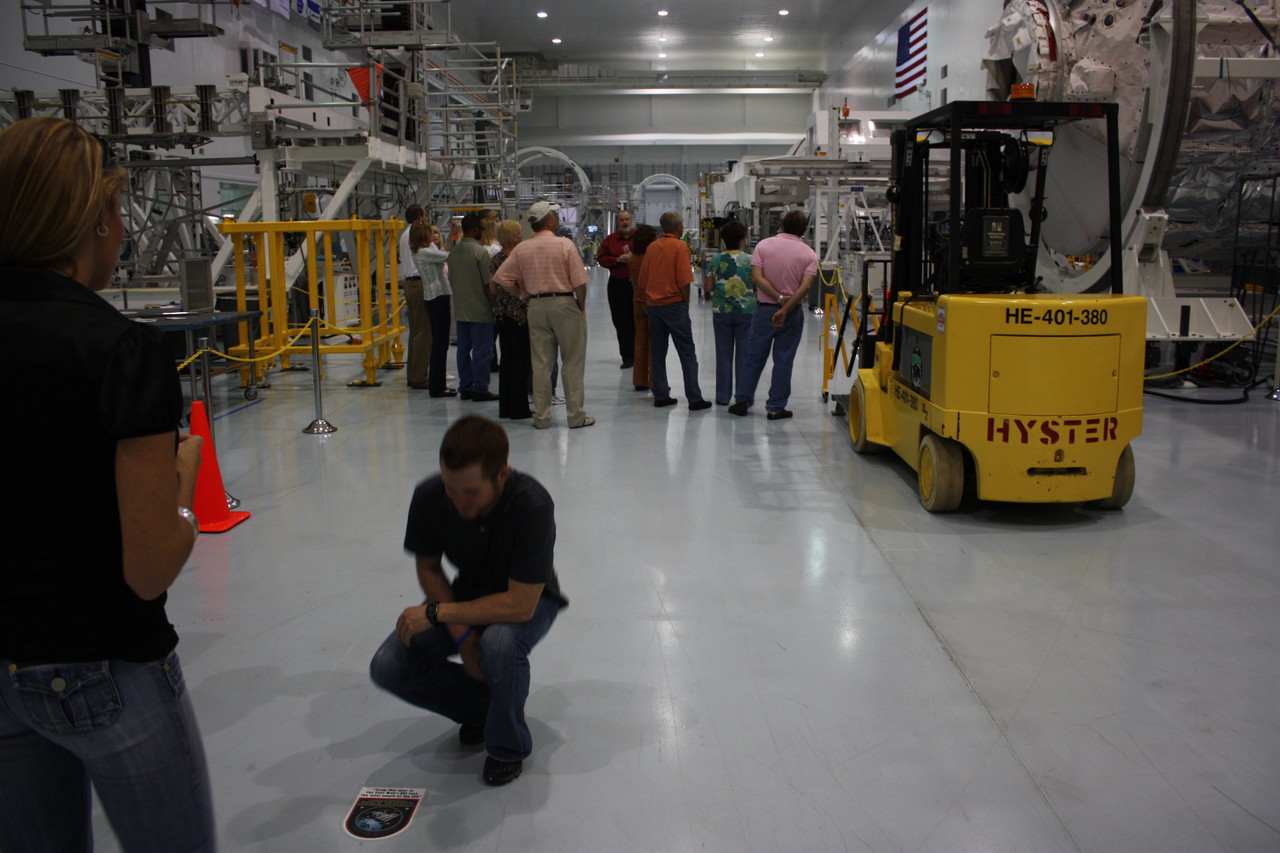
x=429 y=258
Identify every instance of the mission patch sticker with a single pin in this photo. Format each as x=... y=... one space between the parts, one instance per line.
x=382 y=812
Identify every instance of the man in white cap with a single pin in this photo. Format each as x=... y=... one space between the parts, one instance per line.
x=548 y=271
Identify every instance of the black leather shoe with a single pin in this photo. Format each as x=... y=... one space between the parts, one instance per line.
x=465 y=395
x=448 y=392
x=739 y=409
x=482 y=397
x=626 y=365
x=781 y=414
x=665 y=401
x=501 y=772
x=699 y=405
x=642 y=387
x=471 y=734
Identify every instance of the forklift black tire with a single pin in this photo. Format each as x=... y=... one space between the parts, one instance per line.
x=1122 y=490
x=941 y=473
x=858 y=420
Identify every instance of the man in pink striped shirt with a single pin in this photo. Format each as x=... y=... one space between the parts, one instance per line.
x=783 y=268
x=548 y=271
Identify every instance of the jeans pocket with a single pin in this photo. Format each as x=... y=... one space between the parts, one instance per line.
x=67 y=698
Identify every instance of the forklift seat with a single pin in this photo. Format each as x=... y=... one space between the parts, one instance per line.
x=994 y=249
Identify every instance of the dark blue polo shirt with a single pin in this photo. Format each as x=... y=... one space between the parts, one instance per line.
x=515 y=541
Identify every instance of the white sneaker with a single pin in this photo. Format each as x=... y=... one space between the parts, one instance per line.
x=557 y=401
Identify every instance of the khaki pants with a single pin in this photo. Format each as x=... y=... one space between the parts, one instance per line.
x=419 y=357
x=556 y=323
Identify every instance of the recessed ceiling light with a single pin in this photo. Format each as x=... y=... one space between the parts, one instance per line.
x=759 y=53
x=662 y=38
x=662 y=13
x=555 y=41
x=784 y=12
x=768 y=38
x=542 y=14
x=662 y=56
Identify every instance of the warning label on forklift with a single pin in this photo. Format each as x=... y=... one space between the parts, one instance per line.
x=1051 y=431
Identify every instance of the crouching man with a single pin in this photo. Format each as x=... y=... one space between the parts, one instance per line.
x=497 y=528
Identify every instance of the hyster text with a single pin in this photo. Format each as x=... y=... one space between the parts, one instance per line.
x=1048 y=431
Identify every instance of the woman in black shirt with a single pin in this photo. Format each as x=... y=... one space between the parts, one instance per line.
x=94 y=519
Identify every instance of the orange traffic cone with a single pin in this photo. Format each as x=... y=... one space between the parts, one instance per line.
x=211 y=498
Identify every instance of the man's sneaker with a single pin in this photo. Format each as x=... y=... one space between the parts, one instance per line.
x=664 y=401
x=699 y=405
x=739 y=408
x=781 y=414
x=471 y=734
x=501 y=772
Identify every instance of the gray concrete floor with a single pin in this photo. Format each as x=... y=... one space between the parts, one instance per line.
x=771 y=646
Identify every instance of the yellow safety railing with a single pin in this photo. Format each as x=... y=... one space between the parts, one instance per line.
x=261 y=245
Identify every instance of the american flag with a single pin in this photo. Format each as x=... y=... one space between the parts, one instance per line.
x=913 y=42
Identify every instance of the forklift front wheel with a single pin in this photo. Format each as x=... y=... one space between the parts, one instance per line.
x=1126 y=472
x=858 y=420
x=941 y=473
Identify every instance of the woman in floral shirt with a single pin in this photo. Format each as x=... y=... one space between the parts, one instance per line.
x=733 y=301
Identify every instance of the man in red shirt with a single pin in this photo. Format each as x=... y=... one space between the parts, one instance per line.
x=665 y=275
x=614 y=252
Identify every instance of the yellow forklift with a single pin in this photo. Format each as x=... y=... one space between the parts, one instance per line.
x=984 y=385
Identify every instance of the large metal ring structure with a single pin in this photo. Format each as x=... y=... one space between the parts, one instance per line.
x=663 y=180
x=525 y=156
x=1197 y=111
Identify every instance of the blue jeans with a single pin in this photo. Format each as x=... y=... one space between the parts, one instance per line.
x=475 y=356
x=784 y=341
x=128 y=729
x=732 y=331
x=423 y=675
x=672 y=320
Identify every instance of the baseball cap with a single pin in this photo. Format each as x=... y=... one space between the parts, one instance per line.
x=540 y=209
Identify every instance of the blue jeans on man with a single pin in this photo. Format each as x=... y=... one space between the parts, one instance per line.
x=126 y=727
x=784 y=342
x=672 y=321
x=423 y=675
x=475 y=356
x=732 y=332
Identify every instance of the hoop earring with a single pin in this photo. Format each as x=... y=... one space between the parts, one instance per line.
x=102 y=231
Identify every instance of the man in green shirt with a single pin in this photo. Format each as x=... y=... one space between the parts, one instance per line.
x=469 y=269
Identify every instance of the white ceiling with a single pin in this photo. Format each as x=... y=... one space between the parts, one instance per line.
x=701 y=34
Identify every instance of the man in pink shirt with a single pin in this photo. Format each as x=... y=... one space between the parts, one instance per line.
x=548 y=270
x=783 y=268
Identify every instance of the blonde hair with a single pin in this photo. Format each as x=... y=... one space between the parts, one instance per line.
x=488 y=232
x=420 y=234
x=55 y=185
x=508 y=233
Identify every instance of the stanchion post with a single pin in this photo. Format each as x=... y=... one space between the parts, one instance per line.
x=319 y=426
x=233 y=502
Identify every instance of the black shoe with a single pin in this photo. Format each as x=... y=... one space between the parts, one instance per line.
x=465 y=395
x=448 y=392
x=482 y=397
x=642 y=387
x=665 y=401
x=471 y=734
x=700 y=405
x=501 y=772
x=626 y=365
x=781 y=414
x=739 y=409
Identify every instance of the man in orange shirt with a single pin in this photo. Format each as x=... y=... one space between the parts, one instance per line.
x=665 y=275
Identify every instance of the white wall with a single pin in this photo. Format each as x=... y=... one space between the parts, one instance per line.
x=861 y=67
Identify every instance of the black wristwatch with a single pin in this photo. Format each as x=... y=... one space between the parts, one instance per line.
x=431 y=614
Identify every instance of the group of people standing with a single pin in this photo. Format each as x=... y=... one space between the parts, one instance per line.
x=754 y=298
x=501 y=285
